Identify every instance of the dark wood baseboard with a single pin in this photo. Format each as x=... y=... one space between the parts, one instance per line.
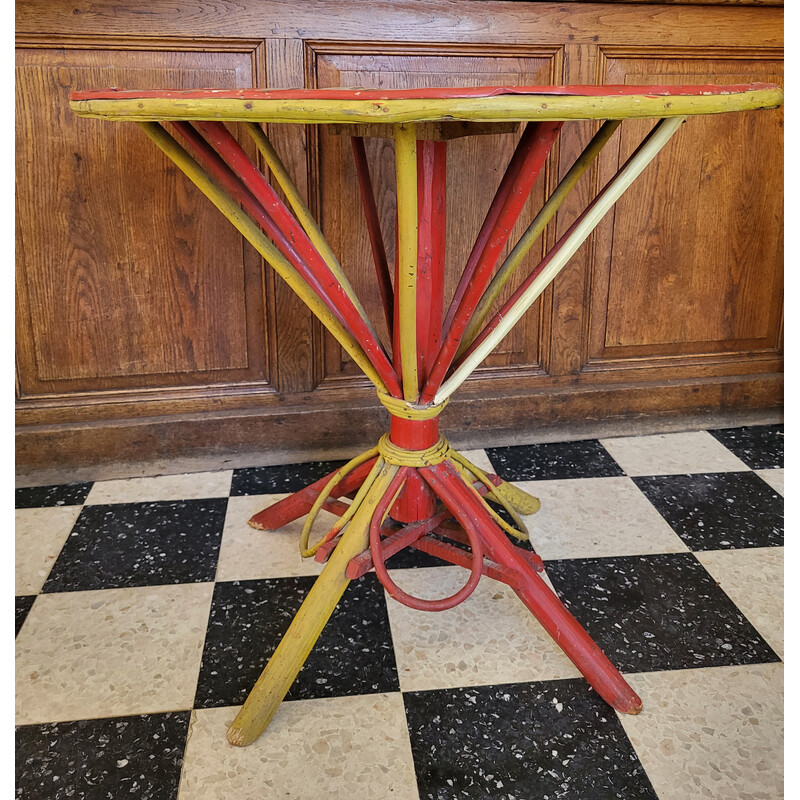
x=290 y=432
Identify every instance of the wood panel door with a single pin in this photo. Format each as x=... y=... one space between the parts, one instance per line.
x=687 y=268
x=128 y=279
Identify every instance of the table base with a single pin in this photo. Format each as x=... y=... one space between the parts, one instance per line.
x=463 y=530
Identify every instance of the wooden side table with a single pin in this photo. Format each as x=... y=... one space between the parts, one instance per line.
x=413 y=489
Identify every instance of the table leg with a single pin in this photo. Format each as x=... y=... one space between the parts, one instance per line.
x=293 y=649
x=465 y=505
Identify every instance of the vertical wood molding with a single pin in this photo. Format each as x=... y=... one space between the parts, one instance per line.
x=293 y=324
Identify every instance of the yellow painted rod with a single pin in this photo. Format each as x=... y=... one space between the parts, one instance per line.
x=307 y=625
x=405 y=149
x=305 y=217
x=535 y=230
x=655 y=140
x=486 y=109
x=262 y=244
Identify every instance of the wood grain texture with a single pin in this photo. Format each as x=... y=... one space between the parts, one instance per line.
x=432 y=21
x=146 y=327
x=712 y=255
x=475 y=167
x=126 y=274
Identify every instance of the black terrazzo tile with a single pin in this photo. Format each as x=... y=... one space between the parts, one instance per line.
x=140 y=544
x=102 y=759
x=354 y=655
x=542 y=740
x=412 y=558
x=722 y=510
x=285 y=478
x=64 y=494
x=22 y=605
x=759 y=446
x=657 y=612
x=535 y=462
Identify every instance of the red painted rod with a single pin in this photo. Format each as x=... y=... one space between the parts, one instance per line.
x=210 y=160
x=374 y=230
x=227 y=146
x=299 y=503
x=410 y=94
x=417 y=501
x=567 y=632
x=512 y=194
x=418 y=603
x=431 y=236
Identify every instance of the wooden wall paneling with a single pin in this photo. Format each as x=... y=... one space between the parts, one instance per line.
x=475 y=167
x=697 y=276
x=454 y=21
x=287 y=394
x=123 y=285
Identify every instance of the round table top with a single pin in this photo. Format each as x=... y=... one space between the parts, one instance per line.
x=397 y=106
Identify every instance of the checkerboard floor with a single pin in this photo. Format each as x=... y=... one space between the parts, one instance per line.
x=146 y=608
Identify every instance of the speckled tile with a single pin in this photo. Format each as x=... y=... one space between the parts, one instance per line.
x=657 y=612
x=490 y=638
x=553 y=461
x=102 y=759
x=596 y=517
x=722 y=510
x=711 y=733
x=287 y=478
x=759 y=446
x=189 y=486
x=22 y=605
x=344 y=748
x=140 y=544
x=354 y=654
x=247 y=553
x=774 y=477
x=110 y=653
x=39 y=535
x=479 y=458
x=63 y=494
x=753 y=579
x=672 y=453
x=550 y=739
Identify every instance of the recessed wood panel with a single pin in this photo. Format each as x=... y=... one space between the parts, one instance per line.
x=128 y=277
x=475 y=166
x=690 y=261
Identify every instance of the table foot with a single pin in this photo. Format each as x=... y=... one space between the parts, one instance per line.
x=304 y=630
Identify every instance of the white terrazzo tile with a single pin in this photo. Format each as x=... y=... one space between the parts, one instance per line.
x=711 y=733
x=189 y=486
x=490 y=638
x=478 y=458
x=40 y=534
x=774 y=477
x=672 y=454
x=247 y=553
x=596 y=517
x=753 y=579
x=344 y=748
x=111 y=652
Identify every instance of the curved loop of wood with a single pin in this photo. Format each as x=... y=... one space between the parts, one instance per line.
x=418 y=603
